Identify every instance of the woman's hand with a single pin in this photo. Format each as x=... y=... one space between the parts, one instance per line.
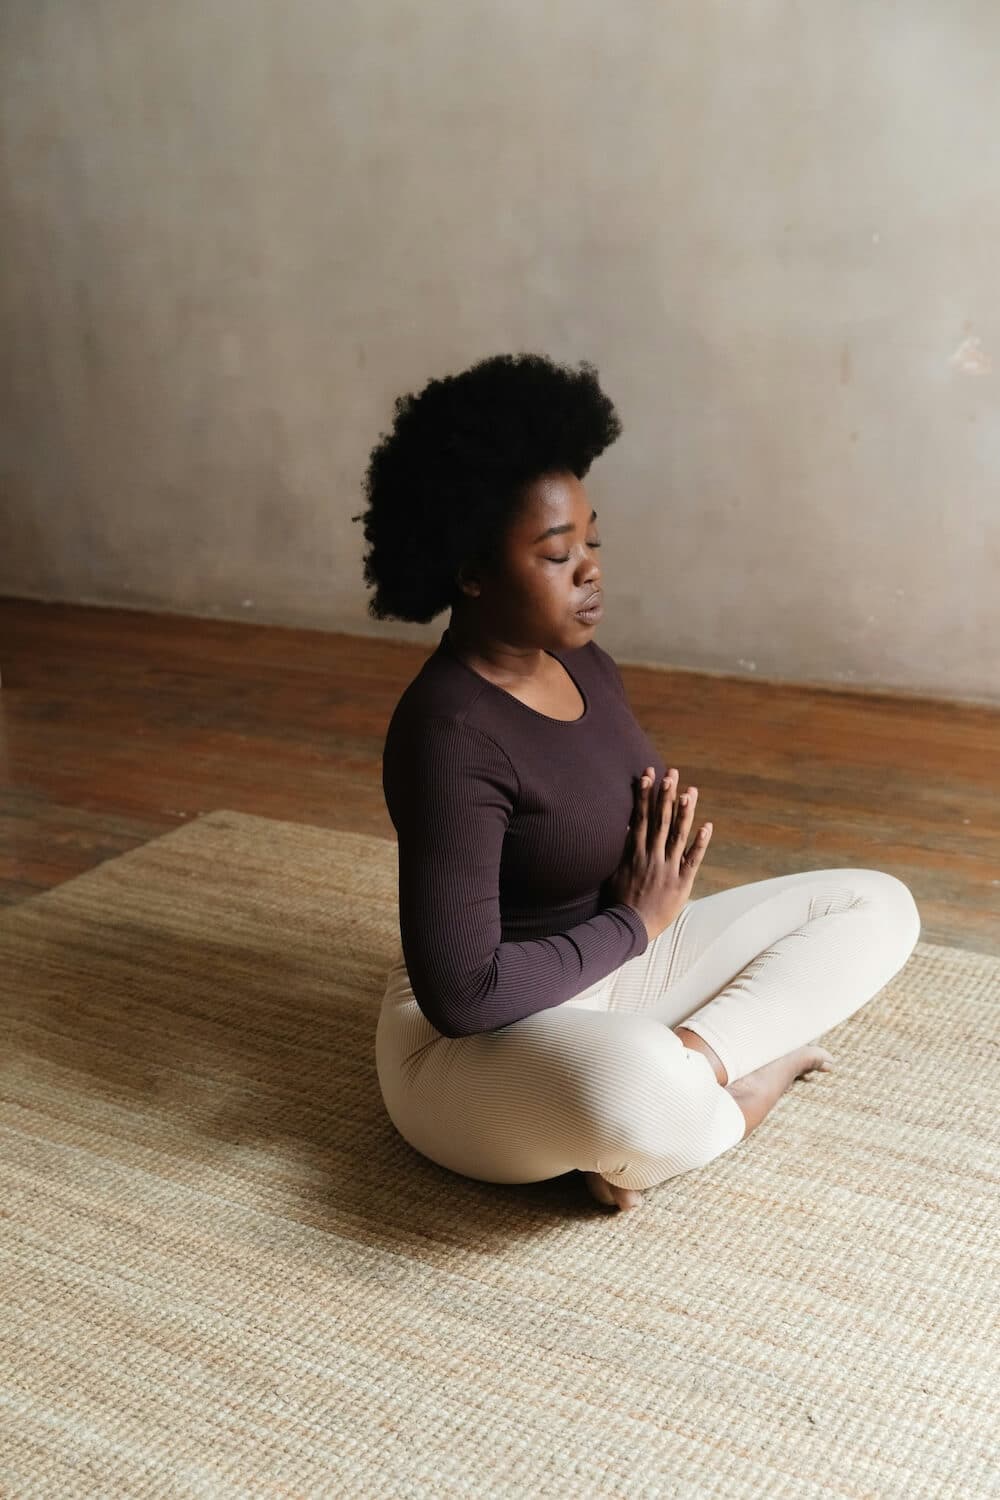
x=657 y=869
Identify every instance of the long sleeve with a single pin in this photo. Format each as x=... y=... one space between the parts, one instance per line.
x=451 y=791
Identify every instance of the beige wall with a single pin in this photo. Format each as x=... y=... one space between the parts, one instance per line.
x=234 y=230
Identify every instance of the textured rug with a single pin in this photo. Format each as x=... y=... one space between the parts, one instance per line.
x=224 y=1274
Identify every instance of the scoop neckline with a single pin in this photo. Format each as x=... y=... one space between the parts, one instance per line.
x=446 y=642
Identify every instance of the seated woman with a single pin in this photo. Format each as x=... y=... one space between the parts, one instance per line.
x=559 y=1002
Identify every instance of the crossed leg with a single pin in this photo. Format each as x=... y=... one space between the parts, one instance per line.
x=750 y=976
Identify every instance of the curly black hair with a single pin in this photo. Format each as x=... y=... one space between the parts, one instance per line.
x=446 y=482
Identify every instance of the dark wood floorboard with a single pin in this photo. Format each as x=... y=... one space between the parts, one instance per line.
x=117 y=725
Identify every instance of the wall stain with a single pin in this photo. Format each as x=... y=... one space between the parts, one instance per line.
x=971 y=358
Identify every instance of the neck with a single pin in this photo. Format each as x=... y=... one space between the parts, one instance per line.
x=475 y=646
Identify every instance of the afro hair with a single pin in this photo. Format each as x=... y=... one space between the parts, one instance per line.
x=443 y=486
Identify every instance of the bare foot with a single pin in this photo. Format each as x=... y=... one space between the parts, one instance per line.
x=611 y=1196
x=757 y=1093
x=812 y=1057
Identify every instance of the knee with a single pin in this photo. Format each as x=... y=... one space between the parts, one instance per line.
x=903 y=909
x=682 y=1120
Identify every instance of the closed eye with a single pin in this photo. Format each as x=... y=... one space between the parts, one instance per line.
x=566 y=558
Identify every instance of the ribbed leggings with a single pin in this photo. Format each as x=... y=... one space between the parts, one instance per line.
x=601 y=1082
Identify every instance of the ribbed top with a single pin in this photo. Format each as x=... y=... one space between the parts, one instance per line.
x=509 y=822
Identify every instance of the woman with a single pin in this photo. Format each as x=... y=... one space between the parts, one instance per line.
x=558 y=1001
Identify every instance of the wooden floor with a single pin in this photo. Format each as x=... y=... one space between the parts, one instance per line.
x=116 y=725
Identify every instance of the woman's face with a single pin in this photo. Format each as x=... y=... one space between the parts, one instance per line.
x=549 y=569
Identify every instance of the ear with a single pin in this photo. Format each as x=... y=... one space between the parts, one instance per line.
x=469 y=585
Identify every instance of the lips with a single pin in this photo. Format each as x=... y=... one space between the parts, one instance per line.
x=592 y=611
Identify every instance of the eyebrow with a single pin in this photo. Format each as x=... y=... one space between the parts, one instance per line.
x=556 y=530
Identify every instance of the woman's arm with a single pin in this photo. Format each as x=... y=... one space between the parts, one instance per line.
x=451 y=791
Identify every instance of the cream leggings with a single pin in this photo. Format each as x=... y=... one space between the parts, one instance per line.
x=601 y=1083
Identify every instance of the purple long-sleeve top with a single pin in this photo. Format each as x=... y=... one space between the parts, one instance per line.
x=509 y=824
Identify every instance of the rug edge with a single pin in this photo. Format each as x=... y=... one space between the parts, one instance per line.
x=217 y=817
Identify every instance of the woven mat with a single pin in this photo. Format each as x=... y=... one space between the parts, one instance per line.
x=224 y=1274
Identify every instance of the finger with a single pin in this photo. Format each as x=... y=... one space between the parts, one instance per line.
x=639 y=801
x=696 y=853
x=682 y=825
x=663 y=811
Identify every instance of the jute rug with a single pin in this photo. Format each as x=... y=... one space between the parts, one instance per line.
x=224 y=1274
